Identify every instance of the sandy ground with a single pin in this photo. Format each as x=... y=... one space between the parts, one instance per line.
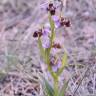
x=18 y=49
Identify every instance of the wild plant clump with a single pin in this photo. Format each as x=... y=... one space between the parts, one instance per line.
x=46 y=36
x=47 y=48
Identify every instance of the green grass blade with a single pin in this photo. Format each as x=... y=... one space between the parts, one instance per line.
x=49 y=91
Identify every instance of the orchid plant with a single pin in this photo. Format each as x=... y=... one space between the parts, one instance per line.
x=46 y=41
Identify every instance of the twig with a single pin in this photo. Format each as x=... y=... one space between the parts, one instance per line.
x=81 y=80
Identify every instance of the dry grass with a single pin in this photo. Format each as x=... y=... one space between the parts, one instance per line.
x=19 y=19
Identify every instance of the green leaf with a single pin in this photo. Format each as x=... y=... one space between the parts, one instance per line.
x=63 y=89
x=49 y=91
x=41 y=48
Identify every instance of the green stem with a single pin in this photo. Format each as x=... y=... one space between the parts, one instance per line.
x=56 y=86
x=55 y=78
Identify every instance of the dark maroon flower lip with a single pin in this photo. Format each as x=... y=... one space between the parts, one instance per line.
x=51 y=8
x=35 y=34
x=52 y=12
x=65 y=22
x=56 y=45
x=38 y=33
x=50 y=5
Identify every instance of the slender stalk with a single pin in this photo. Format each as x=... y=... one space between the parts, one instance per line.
x=56 y=86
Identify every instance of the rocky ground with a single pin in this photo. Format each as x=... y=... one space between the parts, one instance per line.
x=19 y=58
